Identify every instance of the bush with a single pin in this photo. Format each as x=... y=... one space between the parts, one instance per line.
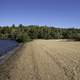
x=77 y=37
x=22 y=37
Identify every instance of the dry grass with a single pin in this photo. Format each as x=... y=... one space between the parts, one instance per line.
x=44 y=60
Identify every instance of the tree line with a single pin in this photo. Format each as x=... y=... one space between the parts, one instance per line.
x=23 y=33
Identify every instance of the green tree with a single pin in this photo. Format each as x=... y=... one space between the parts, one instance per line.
x=22 y=37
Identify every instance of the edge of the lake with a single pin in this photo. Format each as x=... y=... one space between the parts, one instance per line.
x=6 y=56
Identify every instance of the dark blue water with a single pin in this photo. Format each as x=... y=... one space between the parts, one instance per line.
x=7 y=45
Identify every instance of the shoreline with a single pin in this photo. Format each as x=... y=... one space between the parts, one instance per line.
x=6 y=56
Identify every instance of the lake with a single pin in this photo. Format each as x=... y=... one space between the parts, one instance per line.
x=7 y=45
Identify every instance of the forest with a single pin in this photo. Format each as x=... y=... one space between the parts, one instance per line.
x=23 y=33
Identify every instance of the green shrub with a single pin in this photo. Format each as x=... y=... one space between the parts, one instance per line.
x=22 y=37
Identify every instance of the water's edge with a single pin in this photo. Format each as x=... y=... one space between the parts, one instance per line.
x=6 y=56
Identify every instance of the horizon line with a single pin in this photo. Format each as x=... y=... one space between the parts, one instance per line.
x=16 y=25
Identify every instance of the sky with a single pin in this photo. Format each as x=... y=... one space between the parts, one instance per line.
x=58 y=13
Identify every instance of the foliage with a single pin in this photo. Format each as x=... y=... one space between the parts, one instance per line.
x=22 y=37
x=26 y=33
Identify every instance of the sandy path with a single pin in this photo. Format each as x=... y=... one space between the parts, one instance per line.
x=43 y=60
